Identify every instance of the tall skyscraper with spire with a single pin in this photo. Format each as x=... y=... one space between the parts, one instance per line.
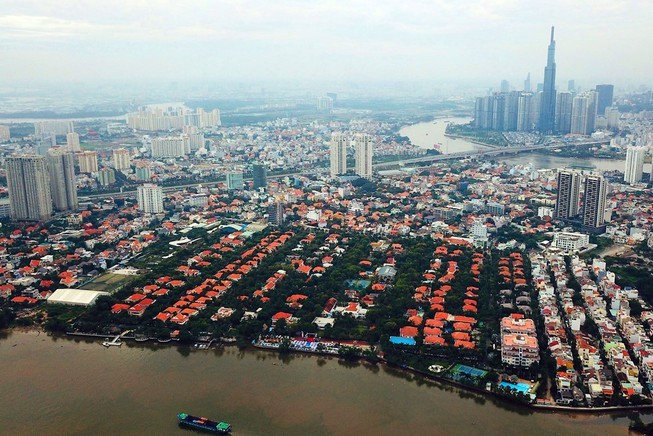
x=548 y=107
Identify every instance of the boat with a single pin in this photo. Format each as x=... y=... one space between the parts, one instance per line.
x=203 y=424
x=111 y=343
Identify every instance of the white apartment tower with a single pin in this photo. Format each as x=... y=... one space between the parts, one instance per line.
x=583 y=113
x=121 y=159
x=338 y=154
x=150 y=198
x=364 y=153
x=29 y=187
x=634 y=164
x=61 y=167
x=72 y=141
x=87 y=162
x=5 y=133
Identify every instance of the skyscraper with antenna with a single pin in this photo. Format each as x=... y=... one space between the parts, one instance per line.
x=548 y=107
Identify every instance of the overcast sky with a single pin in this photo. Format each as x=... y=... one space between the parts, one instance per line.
x=353 y=40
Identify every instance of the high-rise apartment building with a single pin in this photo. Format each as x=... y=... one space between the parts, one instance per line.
x=60 y=128
x=568 y=197
x=604 y=99
x=527 y=83
x=172 y=118
x=72 y=142
x=171 y=146
x=505 y=86
x=106 y=176
x=525 y=112
x=121 y=159
x=564 y=102
x=364 y=153
x=150 y=198
x=583 y=113
x=338 y=154
x=87 y=161
x=143 y=173
x=28 y=183
x=260 y=176
x=548 y=104
x=61 y=167
x=594 y=199
x=634 y=164
x=5 y=133
x=276 y=213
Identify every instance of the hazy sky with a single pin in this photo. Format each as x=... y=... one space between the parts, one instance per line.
x=439 y=40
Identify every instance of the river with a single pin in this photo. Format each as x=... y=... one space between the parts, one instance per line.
x=433 y=132
x=53 y=386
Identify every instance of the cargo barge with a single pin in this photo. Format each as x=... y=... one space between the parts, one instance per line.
x=203 y=424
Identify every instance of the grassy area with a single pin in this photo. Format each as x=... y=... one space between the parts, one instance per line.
x=108 y=282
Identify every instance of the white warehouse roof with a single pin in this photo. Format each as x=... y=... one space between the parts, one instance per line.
x=75 y=297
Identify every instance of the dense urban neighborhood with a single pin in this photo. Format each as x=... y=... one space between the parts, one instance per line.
x=464 y=270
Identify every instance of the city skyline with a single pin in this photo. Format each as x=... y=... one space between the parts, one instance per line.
x=443 y=41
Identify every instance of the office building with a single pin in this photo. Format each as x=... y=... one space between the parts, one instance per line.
x=364 y=153
x=568 y=199
x=5 y=133
x=605 y=95
x=505 y=86
x=548 y=103
x=72 y=142
x=527 y=83
x=571 y=86
x=87 y=161
x=338 y=154
x=634 y=164
x=612 y=116
x=235 y=180
x=564 y=102
x=150 y=198
x=594 y=202
x=276 y=213
x=121 y=160
x=260 y=176
x=583 y=113
x=28 y=183
x=61 y=167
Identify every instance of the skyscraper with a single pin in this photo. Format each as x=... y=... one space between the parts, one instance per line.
x=583 y=113
x=525 y=112
x=150 y=198
x=260 y=176
x=596 y=191
x=364 y=153
x=564 y=102
x=548 y=108
x=29 y=187
x=568 y=195
x=61 y=167
x=338 y=154
x=505 y=86
x=235 y=180
x=527 y=83
x=605 y=95
x=276 y=213
x=634 y=164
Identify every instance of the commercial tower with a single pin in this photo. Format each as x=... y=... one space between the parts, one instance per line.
x=568 y=195
x=61 y=167
x=260 y=176
x=548 y=104
x=596 y=191
x=605 y=95
x=338 y=154
x=29 y=187
x=634 y=164
x=364 y=152
x=150 y=198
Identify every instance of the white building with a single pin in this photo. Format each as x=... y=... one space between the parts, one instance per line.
x=121 y=159
x=235 y=180
x=170 y=146
x=72 y=142
x=5 y=133
x=364 y=153
x=28 y=183
x=338 y=154
x=150 y=198
x=87 y=161
x=634 y=164
x=570 y=242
